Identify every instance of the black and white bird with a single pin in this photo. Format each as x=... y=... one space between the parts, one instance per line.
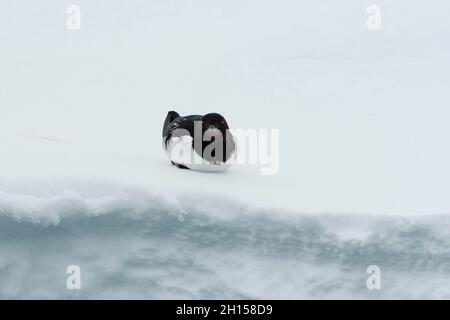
x=197 y=142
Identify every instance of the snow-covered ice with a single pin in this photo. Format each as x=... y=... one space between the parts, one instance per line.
x=363 y=165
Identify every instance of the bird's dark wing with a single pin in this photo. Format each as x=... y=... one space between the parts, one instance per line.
x=171 y=116
x=180 y=126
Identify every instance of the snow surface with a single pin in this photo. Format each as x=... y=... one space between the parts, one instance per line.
x=363 y=176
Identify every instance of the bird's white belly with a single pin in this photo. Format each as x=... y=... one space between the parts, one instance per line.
x=179 y=150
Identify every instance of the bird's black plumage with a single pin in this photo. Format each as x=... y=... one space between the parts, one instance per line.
x=177 y=126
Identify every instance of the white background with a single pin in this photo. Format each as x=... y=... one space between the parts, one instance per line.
x=363 y=114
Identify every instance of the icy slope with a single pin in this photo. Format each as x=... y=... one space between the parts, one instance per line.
x=132 y=244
